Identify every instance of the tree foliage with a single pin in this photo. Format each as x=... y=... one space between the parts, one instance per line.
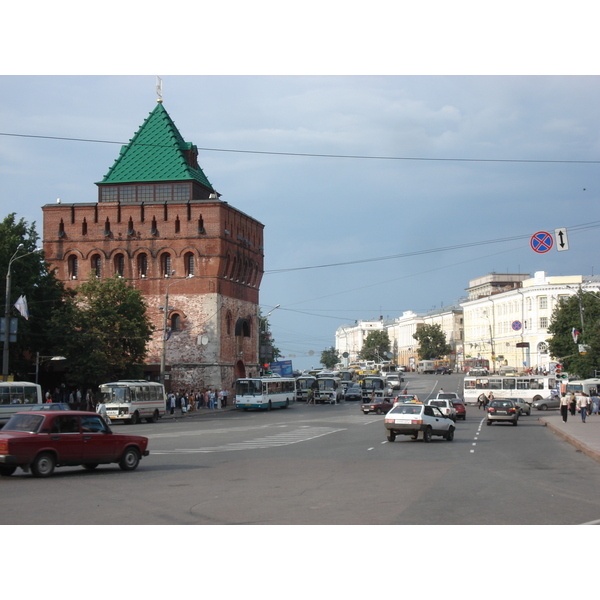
x=103 y=332
x=31 y=278
x=268 y=351
x=330 y=358
x=375 y=346
x=568 y=315
x=432 y=342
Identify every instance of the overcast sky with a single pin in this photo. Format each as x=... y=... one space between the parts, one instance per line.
x=472 y=165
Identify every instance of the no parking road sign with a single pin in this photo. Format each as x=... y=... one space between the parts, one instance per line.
x=541 y=242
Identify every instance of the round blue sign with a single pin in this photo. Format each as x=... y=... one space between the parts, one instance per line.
x=516 y=325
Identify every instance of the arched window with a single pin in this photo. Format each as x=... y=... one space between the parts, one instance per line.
x=175 y=322
x=84 y=227
x=120 y=265
x=188 y=261
x=165 y=264
x=73 y=267
x=97 y=265
x=177 y=225
x=142 y=265
x=107 y=227
x=229 y=320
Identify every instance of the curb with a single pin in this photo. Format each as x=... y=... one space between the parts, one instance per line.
x=572 y=440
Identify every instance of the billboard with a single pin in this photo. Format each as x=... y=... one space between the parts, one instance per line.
x=282 y=367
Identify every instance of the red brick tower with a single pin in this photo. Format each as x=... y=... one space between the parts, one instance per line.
x=160 y=224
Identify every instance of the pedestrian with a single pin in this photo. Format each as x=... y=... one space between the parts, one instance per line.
x=481 y=401
x=172 y=402
x=89 y=401
x=101 y=410
x=183 y=404
x=207 y=398
x=72 y=401
x=221 y=400
x=595 y=403
x=211 y=399
x=572 y=403
x=489 y=399
x=564 y=407
x=48 y=396
x=582 y=403
x=309 y=396
x=78 y=399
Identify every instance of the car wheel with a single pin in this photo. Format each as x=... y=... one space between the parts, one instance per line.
x=130 y=459
x=488 y=423
x=515 y=423
x=378 y=411
x=7 y=471
x=90 y=466
x=43 y=465
x=543 y=407
x=450 y=434
x=427 y=435
x=391 y=436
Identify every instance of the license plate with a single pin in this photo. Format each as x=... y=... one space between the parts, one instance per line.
x=501 y=412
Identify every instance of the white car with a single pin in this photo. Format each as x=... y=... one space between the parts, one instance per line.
x=413 y=418
x=445 y=405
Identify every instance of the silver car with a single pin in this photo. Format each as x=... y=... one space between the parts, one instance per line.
x=546 y=403
x=502 y=410
x=524 y=408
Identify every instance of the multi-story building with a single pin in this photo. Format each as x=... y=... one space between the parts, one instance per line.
x=198 y=261
x=510 y=326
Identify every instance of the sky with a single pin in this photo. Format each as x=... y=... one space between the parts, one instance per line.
x=379 y=194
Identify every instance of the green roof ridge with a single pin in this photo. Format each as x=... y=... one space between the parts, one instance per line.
x=157 y=152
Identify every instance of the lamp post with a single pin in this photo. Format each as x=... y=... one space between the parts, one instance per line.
x=263 y=329
x=7 y=307
x=163 y=354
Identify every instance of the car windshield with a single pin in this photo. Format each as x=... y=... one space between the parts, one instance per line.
x=438 y=402
x=446 y=396
x=502 y=404
x=26 y=423
x=407 y=409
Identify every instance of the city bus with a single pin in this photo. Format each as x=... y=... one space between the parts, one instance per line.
x=265 y=393
x=329 y=390
x=475 y=363
x=132 y=400
x=303 y=384
x=530 y=387
x=373 y=387
x=591 y=387
x=16 y=396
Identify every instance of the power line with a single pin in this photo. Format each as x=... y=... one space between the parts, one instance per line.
x=317 y=155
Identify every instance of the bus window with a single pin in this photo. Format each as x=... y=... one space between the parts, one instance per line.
x=509 y=384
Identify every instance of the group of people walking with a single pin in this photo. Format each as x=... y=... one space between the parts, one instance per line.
x=74 y=398
x=571 y=403
x=192 y=401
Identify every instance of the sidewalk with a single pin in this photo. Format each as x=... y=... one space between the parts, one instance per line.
x=194 y=414
x=584 y=436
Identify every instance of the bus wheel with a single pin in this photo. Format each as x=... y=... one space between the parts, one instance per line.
x=153 y=418
x=270 y=406
x=135 y=418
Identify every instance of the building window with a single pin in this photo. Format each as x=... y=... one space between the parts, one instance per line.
x=120 y=264
x=73 y=267
x=163 y=192
x=181 y=192
x=543 y=322
x=176 y=322
x=177 y=225
x=107 y=227
x=543 y=301
x=127 y=193
x=528 y=303
x=84 y=227
x=97 y=265
x=189 y=264
x=165 y=264
x=142 y=263
x=145 y=193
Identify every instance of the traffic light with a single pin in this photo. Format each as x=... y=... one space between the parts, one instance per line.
x=267 y=369
x=558 y=369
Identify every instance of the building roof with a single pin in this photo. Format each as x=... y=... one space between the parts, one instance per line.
x=157 y=152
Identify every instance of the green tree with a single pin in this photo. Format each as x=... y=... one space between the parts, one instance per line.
x=569 y=314
x=30 y=277
x=375 y=346
x=432 y=342
x=330 y=358
x=103 y=332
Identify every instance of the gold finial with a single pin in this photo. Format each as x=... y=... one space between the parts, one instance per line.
x=159 y=89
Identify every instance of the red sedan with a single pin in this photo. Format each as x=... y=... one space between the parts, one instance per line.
x=39 y=441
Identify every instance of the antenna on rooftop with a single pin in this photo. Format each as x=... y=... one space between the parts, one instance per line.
x=159 y=89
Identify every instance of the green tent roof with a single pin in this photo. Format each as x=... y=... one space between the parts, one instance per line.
x=157 y=152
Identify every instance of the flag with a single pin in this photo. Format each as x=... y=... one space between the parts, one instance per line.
x=21 y=306
x=575 y=334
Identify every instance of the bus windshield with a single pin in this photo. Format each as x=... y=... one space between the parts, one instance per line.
x=114 y=395
x=248 y=387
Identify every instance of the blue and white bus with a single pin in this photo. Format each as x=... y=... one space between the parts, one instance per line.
x=265 y=392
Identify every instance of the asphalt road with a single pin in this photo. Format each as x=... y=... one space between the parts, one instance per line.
x=322 y=465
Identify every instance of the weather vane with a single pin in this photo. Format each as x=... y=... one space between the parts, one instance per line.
x=159 y=89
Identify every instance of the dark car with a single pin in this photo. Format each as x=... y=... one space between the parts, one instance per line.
x=42 y=440
x=353 y=392
x=378 y=405
x=502 y=410
x=443 y=371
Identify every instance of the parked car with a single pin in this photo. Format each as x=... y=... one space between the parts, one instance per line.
x=524 y=408
x=42 y=440
x=412 y=418
x=378 y=405
x=502 y=410
x=546 y=403
x=353 y=392
x=445 y=405
x=461 y=409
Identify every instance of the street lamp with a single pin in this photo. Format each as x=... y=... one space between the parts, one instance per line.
x=263 y=329
x=163 y=354
x=7 y=308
